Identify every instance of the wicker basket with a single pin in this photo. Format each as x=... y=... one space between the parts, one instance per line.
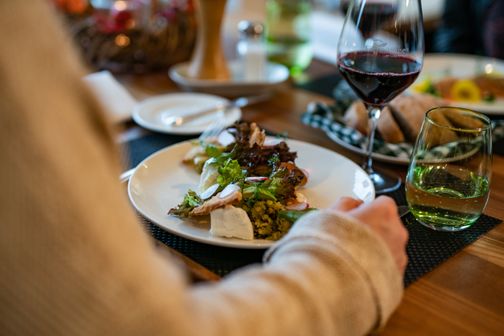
x=135 y=36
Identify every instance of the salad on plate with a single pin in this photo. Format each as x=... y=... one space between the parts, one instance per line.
x=249 y=184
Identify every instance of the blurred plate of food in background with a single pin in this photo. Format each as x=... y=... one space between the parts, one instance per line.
x=468 y=81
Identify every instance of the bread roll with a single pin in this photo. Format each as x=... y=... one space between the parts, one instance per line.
x=399 y=122
x=357 y=117
x=462 y=121
x=388 y=127
x=440 y=136
x=409 y=112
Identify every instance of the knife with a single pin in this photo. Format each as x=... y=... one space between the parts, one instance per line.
x=124 y=177
x=176 y=121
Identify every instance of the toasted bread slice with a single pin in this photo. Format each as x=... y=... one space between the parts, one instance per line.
x=409 y=114
x=401 y=120
x=357 y=117
x=388 y=127
x=441 y=136
x=460 y=120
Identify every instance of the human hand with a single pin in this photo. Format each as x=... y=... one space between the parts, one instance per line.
x=382 y=217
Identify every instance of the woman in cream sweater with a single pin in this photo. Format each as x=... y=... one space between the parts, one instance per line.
x=74 y=260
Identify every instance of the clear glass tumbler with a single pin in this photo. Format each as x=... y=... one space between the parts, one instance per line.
x=448 y=179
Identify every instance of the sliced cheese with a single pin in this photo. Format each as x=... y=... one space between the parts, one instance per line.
x=208 y=175
x=231 y=222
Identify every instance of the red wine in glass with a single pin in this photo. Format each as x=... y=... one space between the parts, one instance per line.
x=380 y=54
x=377 y=77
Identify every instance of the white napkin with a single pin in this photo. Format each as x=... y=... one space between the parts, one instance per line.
x=117 y=101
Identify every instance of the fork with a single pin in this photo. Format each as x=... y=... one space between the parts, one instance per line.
x=217 y=126
x=212 y=131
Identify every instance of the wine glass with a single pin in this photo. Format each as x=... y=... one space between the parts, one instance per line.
x=380 y=54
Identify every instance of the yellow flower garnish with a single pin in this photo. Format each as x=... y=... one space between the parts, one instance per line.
x=465 y=90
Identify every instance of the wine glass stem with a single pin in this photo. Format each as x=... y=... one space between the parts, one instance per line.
x=373 y=115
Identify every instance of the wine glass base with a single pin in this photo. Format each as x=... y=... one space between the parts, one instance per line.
x=384 y=183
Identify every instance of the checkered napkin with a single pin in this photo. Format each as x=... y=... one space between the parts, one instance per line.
x=329 y=119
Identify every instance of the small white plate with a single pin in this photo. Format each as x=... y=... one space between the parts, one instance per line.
x=153 y=113
x=437 y=66
x=161 y=181
x=276 y=75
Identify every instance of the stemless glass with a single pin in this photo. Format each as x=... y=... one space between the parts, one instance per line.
x=448 y=179
x=380 y=53
x=288 y=30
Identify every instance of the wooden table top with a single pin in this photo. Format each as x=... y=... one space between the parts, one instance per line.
x=462 y=296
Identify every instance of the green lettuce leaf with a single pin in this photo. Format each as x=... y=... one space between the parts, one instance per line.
x=230 y=172
x=191 y=201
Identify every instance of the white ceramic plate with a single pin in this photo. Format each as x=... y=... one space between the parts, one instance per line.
x=161 y=181
x=464 y=66
x=276 y=75
x=153 y=113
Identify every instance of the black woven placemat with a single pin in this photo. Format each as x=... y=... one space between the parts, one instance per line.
x=137 y=150
x=220 y=260
x=426 y=248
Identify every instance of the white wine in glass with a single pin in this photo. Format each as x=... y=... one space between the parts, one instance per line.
x=448 y=179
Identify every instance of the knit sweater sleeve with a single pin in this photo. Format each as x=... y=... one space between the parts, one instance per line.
x=75 y=261
x=329 y=276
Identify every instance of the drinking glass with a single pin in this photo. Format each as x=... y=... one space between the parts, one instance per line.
x=380 y=53
x=288 y=32
x=448 y=179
